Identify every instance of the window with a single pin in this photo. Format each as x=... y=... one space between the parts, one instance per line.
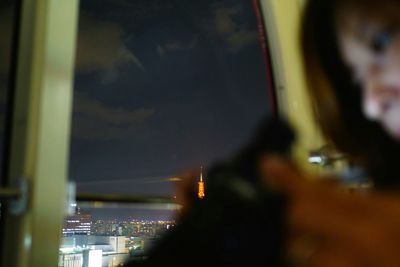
x=6 y=28
x=7 y=11
x=35 y=157
x=161 y=86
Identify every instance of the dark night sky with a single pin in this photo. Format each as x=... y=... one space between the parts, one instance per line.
x=6 y=18
x=185 y=83
x=161 y=86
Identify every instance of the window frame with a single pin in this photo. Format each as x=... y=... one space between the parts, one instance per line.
x=39 y=143
x=282 y=23
x=42 y=111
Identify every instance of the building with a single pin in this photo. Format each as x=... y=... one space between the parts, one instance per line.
x=92 y=251
x=78 y=224
x=201 y=192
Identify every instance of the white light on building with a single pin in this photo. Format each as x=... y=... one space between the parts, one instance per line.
x=95 y=258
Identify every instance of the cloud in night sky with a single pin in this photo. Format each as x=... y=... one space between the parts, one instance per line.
x=180 y=45
x=176 y=45
x=101 y=47
x=235 y=35
x=5 y=38
x=96 y=121
x=160 y=50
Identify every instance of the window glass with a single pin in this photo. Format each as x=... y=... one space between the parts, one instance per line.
x=161 y=87
x=6 y=29
x=113 y=233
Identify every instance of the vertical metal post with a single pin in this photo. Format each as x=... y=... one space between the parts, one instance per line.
x=40 y=130
x=282 y=19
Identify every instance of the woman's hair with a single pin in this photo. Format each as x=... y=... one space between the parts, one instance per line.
x=336 y=100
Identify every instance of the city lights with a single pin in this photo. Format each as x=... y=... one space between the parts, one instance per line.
x=108 y=242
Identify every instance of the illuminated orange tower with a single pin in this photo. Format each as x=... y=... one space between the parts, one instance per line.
x=201 y=193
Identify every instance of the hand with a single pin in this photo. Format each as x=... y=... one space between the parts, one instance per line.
x=331 y=227
x=185 y=190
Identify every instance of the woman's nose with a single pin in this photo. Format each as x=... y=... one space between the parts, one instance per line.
x=376 y=100
x=371 y=106
x=375 y=95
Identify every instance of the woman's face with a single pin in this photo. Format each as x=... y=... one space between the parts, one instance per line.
x=372 y=51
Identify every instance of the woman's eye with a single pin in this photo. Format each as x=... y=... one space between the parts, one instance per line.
x=381 y=41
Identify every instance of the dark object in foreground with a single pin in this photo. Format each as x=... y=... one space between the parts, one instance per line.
x=240 y=222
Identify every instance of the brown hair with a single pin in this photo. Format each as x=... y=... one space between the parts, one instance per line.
x=336 y=99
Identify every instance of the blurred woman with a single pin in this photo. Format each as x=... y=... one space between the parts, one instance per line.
x=351 y=52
